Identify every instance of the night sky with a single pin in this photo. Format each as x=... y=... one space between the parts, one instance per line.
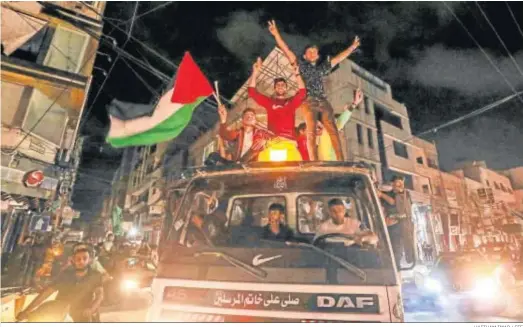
x=433 y=66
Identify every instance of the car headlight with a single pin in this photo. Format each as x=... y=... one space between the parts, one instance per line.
x=433 y=285
x=129 y=284
x=485 y=287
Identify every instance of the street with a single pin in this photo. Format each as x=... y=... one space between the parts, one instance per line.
x=134 y=309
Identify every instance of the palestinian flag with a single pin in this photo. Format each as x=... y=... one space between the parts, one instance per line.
x=136 y=124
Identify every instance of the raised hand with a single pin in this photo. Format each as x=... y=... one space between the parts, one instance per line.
x=257 y=66
x=358 y=97
x=273 y=29
x=356 y=43
x=222 y=112
x=296 y=69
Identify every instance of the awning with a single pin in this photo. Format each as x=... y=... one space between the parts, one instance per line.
x=17 y=29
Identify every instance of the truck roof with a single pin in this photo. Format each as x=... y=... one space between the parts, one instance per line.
x=362 y=167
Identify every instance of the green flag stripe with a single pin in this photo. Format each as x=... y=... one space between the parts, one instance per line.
x=166 y=130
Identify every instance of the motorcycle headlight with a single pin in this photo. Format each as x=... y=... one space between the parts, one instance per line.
x=129 y=284
x=485 y=287
x=433 y=285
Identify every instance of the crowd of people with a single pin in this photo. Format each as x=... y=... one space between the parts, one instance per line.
x=77 y=270
x=317 y=138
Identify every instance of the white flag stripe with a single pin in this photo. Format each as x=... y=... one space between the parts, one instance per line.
x=125 y=128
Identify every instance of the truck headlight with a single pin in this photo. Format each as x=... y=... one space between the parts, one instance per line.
x=433 y=285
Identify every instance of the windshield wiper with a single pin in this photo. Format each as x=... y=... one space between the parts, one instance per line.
x=254 y=271
x=347 y=265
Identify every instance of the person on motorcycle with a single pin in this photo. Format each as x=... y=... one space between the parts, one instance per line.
x=281 y=109
x=79 y=287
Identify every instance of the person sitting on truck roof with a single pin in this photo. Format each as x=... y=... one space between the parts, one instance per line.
x=248 y=137
x=275 y=230
x=341 y=223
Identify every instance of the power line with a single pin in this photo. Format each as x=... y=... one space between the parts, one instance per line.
x=154 y=9
x=461 y=118
x=514 y=18
x=145 y=46
x=482 y=50
x=499 y=38
x=107 y=76
x=149 y=88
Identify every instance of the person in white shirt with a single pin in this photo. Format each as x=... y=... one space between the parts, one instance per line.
x=341 y=223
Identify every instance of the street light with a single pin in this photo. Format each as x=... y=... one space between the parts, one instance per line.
x=109 y=59
x=100 y=69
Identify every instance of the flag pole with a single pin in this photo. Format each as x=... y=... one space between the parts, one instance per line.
x=217 y=93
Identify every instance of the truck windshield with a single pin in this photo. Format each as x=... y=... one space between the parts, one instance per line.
x=261 y=219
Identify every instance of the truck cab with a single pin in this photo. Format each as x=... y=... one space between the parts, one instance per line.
x=217 y=265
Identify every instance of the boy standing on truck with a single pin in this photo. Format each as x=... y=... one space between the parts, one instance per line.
x=313 y=70
x=281 y=109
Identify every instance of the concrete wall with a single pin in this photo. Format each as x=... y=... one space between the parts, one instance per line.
x=516 y=177
x=11 y=97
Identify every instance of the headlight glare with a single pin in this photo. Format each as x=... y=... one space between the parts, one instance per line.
x=433 y=285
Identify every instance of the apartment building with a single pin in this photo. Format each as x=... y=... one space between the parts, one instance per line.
x=48 y=54
x=515 y=175
x=139 y=189
x=497 y=200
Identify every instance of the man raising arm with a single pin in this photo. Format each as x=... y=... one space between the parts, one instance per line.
x=280 y=108
x=313 y=71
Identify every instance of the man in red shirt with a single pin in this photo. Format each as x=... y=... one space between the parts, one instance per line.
x=281 y=109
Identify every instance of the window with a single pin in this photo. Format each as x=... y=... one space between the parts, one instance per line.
x=426 y=189
x=432 y=163
x=454 y=220
x=400 y=150
x=419 y=160
x=502 y=187
x=313 y=211
x=360 y=133
x=367 y=105
x=370 y=138
x=386 y=115
x=254 y=211
x=488 y=183
x=496 y=185
x=67 y=50
x=48 y=124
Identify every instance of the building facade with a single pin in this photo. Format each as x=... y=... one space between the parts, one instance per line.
x=497 y=201
x=48 y=54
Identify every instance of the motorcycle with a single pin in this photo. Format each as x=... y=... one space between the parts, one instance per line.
x=50 y=311
x=138 y=275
